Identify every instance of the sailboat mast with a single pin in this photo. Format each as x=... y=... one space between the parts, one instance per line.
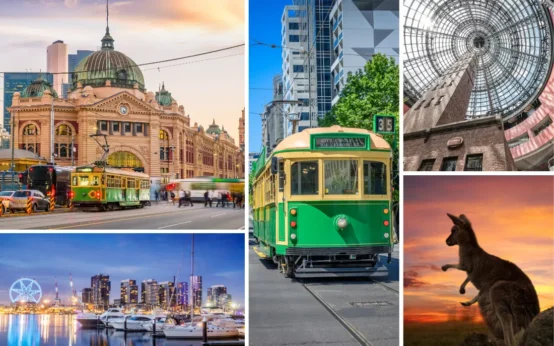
x=191 y=290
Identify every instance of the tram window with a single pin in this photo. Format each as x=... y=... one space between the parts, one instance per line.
x=305 y=178
x=83 y=180
x=95 y=180
x=341 y=177
x=74 y=180
x=375 y=178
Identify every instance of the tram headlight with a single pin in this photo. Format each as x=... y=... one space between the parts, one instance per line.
x=293 y=236
x=386 y=235
x=386 y=211
x=342 y=223
x=293 y=212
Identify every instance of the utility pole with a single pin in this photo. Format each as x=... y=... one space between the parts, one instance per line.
x=72 y=150
x=52 y=131
x=13 y=143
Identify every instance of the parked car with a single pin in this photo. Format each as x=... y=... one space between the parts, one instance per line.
x=6 y=197
x=19 y=201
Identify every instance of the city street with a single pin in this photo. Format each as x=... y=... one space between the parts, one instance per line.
x=322 y=311
x=161 y=217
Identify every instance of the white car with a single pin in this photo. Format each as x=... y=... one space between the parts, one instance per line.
x=6 y=197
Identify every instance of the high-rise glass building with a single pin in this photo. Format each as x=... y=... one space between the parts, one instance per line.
x=149 y=292
x=183 y=295
x=217 y=295
x=166 y=294
x=17 y=82
x=196 y=283
x=100 y=288
x=360 y=29
x=56 y=63
x=129 y=292
x=86 y=296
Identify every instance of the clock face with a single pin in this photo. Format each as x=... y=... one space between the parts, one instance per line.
x=123 y=109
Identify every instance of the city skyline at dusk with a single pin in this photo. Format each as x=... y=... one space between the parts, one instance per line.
x=512 y=219
x=47 y=258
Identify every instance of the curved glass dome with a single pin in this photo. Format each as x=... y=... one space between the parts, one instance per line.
x=511 y=38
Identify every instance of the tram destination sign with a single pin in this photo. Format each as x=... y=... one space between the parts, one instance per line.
x=343 y=141
x=323 y=142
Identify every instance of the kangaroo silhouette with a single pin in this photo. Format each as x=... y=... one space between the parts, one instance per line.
x=507 y=299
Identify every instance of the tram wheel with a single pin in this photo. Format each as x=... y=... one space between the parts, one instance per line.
x=288 y=270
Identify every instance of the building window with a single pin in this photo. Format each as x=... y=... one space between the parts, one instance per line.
x=543 y=126
x=429 y=103
x=304 y=116
x=30 y=130
x=474 y=162
x=139 y=128
x=63 y=130
x=294 y=26
x=126 y=127
x=294 y=38
x=439 y=100
x=449 y=164
x=164 y=135
x=427 y=165
x=298 y=68
x=115 y=126
x=61 y=150
x=164 y=153
x=122 y=74
x=103 y=126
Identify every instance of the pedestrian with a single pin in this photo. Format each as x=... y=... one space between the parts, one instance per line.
x=182 y=198
x=239 y=200
x=188 y=198
x=171 y=198
x=206 y=198
x=211 y=196
x=234 y=199
x=157 y=196
x=219 y=199
x=224 y=199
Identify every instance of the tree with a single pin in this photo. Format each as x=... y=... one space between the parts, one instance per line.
x=371 y=90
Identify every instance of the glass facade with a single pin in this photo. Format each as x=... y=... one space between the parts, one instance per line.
x=17 y=82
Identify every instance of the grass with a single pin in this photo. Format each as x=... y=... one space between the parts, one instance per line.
x=440 y=333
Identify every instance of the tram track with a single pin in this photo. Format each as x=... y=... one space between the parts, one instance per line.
x=343 y=322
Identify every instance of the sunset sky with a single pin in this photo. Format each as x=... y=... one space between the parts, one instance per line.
x=145 y=31
x=513 y=218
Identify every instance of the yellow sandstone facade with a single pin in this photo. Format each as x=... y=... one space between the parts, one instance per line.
x=144 y=130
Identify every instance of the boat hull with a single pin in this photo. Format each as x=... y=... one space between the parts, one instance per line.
x=196 y=333
x=136 y=327
x=90 y=322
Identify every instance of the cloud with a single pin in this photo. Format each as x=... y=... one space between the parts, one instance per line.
x=71 y=3
x=33 y=44
x=230 y=274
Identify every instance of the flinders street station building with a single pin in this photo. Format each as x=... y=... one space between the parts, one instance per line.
x=145 y=130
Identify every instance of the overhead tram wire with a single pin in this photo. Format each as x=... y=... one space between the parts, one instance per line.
x=156 y=62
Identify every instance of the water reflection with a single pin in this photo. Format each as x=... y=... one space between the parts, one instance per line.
x=60 y=330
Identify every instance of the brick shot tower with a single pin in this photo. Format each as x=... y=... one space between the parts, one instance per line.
x=437 y=135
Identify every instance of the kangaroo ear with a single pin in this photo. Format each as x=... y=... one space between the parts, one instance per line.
x=465 y=220
x=455 y=219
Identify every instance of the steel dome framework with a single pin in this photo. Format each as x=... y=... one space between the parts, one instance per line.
x=512 y=40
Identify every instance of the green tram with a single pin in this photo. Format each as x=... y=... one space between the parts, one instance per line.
x=105 y=188
x=322 y=203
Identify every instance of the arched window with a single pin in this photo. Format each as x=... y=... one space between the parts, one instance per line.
x=30 y=130
x=164 y=135
x=63 y=141
x=124 y=159
x=30 y=140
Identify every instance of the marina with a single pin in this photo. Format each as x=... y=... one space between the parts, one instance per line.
x=49 y=330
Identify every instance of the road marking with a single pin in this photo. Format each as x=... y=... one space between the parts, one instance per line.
x=218 y=214
x=180 y=223
x=115 y=220
x=242 y=228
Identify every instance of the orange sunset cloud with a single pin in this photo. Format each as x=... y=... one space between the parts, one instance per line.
x=513 y=218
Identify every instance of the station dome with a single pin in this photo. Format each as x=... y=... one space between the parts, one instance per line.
x=163 y=97
x=213 y=129
x=108 y=64
x=37 y=88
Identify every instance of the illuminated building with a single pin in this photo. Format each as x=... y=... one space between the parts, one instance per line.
x=183 y=295
x=196 y=283
x=129 y=292
x=100 y=290
x=86 y=296
x=166 y=294
x=149 y=292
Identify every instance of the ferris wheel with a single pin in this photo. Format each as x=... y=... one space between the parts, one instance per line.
x=25 y=291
